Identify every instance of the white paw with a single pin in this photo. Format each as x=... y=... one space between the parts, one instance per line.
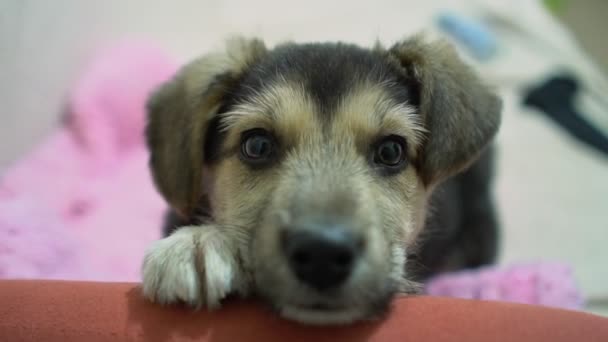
x=194 y=265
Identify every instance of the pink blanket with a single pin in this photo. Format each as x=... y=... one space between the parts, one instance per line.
x=82 y=204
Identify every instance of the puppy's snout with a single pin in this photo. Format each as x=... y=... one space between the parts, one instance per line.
x=322 y=258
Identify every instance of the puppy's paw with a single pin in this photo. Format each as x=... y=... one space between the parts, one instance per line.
x=195 y=265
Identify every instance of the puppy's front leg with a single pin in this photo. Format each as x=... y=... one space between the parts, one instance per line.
x=196 y=265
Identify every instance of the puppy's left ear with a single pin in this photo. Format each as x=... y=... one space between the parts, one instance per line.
x=460 y=113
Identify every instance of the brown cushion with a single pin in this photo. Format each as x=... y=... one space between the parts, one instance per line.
x=82 y=311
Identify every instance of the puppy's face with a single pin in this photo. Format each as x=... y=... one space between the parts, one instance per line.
x=324 y=185
x=317 y=159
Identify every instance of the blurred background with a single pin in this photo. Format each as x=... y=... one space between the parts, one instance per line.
x=552 y=173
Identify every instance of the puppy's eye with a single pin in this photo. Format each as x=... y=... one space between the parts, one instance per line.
x=390 y=153
x=257 y=146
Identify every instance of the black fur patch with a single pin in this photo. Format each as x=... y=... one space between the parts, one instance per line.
x=462 y=229
x=328 y=71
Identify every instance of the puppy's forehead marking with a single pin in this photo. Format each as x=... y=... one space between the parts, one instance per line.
x=370 y=110
x=283 y=107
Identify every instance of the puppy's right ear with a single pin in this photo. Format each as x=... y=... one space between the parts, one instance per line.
x=179 y=113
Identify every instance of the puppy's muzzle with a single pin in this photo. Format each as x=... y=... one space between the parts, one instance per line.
x=322 y=257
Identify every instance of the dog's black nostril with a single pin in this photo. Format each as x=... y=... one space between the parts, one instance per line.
x=323 y=258
x=301 y=258
x=343 y=259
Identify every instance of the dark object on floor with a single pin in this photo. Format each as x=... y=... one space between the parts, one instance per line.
x=555 y=98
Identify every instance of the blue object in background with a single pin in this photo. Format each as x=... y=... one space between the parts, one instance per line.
x=476 y=37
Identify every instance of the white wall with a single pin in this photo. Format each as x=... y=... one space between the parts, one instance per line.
x=44 y=44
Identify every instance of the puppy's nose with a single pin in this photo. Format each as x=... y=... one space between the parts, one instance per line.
x=323 y=258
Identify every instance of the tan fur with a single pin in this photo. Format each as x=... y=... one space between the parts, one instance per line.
x=367 y=111
x=282 y=108
x=323 y=172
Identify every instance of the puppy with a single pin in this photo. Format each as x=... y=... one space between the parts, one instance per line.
x=302 y=174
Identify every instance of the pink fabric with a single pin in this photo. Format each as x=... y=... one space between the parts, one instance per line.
x=82 y=204
x=547 y=284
